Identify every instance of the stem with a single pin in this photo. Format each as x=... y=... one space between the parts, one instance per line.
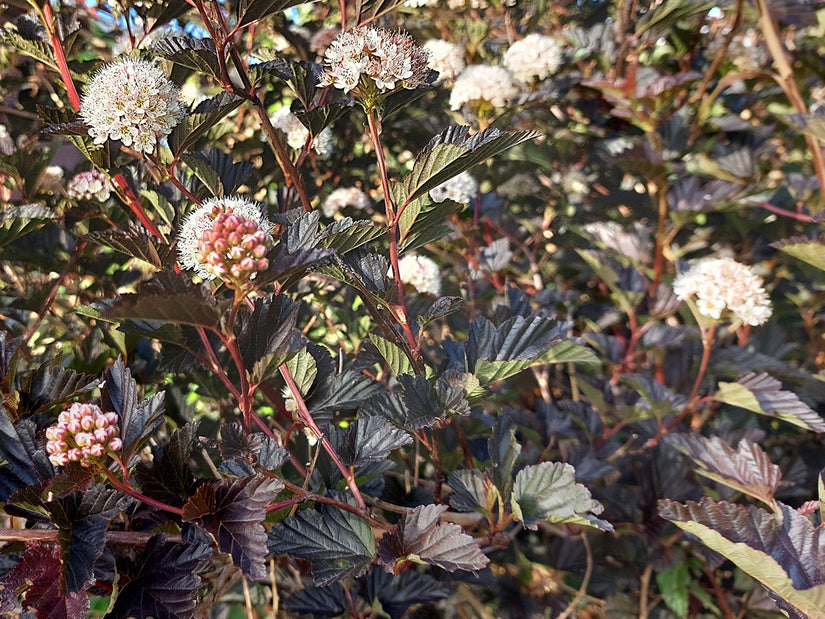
x=785 y=213
x=309 y=422
x=232 y=346
x=588 y=570
x=127 y=489
x=60 y=56
x=132 y=201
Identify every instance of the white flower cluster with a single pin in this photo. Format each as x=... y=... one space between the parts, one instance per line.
x=462 y=189
x=417 y=4
x=52 y=179
x=374 y=57
x=345 y=196
x=131 y=101
x=200 y=222
x=481 y=82
x=296 y=134
x=421 y=273
x=446 y=58
x=722 y=283
x=83 y=433
x=91 y=185
x=535 y=56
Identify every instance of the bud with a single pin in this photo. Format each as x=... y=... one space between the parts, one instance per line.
x=81 y=435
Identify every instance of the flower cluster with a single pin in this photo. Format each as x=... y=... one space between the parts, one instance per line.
x=226 y=238
x=462 y=189
x=536 y=56
x=369 y=61
x=421 y=273
x=297 y=134
x=84 y=434
x=131 y=101
x=52 y=179
x=91 y=185
x=344 y=196
x=446 y=58
x=718 y=284
x=481 y=82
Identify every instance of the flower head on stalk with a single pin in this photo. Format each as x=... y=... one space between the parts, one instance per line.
x=371 y=63
x=421 y=273
x=714 y=286
x=132 y=101
x=83 y=433
x=91 y=185
x=226 y=238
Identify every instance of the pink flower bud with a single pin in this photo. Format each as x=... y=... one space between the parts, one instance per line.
x=96 y=450
x=52 y=447
x=115 y=444
x=74 y=426
x=259 y=251
x=84 y=439
x=63 y=418
x=247 y=264
x=59 y=459
x=101 y=434
x=87 y=422
x=112 y=418
x=221 y=245
x=262 y=265
x=74 y=454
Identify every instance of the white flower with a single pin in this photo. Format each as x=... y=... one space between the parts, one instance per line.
x=416 y=4
x=420 y=272
x=446 y=58
x=131 y=101
x=722 y=283
x=480 y=82
x=462 y=189
x=376 y=59
x=52 y=179
x=297 y=134
x=199 y=224
x=89 y=185
x=535 y=56
x=345 y=196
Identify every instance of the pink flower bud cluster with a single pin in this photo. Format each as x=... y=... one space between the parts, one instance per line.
x=373 y=59
x=233 y=248
x=91 y=185
x=83 y=433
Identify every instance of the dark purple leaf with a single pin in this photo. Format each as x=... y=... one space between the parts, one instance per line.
x=137 y=243
x=368 y=439
x=396 y=594
x=322 y=602
x=51 y=385
x=18 y=470
x=168 y=478
x=267 y=329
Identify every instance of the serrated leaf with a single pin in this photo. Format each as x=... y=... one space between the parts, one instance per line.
x=368 y=439
x=417 y=408
x=515 y=339
x=304 y=369
x=784 y=551
x=330 y=601
x=454 y=151
x=134 y=242
x=473 y=490
x=18 y=221
x=422 y=222
x=205 y=174
x=39 y=570
x=569 y=351
x=267 y=329
x=441 y=308
x=549 y=492
x=504 y=450
x=82 y=519
x=368 y=10
x=397 y=594
x=746 y=468
x=319 y=118
x=139 y=418
x=160 y=205
x=232 y=510
x=168 y=297
x=338 y=544
x=162 y=582
x=340 y=393
x=242 y=452
x=420 y=537
x=808 y=250
x=657 y=398
x=51 y=385
x=198 y=54
x=393 y=355
x=224 y=174
x=763 y=394
x=38 y=50
x=168 y=478
x=345 y=234
x=16 y=467
x=673 y=583
x=300 y=76
x=205 y=116
x=250 y=11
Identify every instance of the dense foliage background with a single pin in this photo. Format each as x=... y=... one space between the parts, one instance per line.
x=530 y=424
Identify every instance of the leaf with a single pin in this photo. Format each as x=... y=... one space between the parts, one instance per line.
x=39 y=570
x=51 y=385
x=168 y=478
x=82 y=518
x=339 y=544
x=330 y=601
x=473 y=490
x=344 y=235
x=16 y=468
x=396 y=594
x=784 y=551
x=139 y=418
x=17 y=221
x=162 y=582
x=168 y=297
x=761 y=393
x=38 y=50
x=746 y=468
x=250 y=11
x=205 y=116
x=205 y=173
x=454 y=151
x=671 y=12
x=242 y=452
x=232 y=510
x=267 y=329
x=393 y=355
x=419 y=537
x=657 y=398
x=368 y=10
x=422 y=222
x=134 y=242
x=369 y=439
x=504 y=450
x=341 y=392
x=807 y=250
x=673 y=583
x=218 y=171
x=198 y=54
x=441 y=308
x=515 y=339
x=303 y=369
x=549 y=492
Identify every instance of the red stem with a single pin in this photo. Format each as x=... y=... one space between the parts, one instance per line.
x=60 y=56
x=126 y=489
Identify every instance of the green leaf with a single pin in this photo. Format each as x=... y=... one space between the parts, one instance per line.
x=763 y=394
x=504 y=450
x=303 y=368
x=338 y=544
x=393 y=355
x=549 y=492
x=205 y=173
x=673 y=583
x=422 y=222
x=489 y=372
x=671 y=12
x=569 y=351
x=42 y=52
x=421 y=538
x=18 y=221
x=784 y=551
x=807 y=250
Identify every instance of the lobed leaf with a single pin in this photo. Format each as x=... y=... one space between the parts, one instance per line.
x=396 y=594
x=137 y=243
x=368 y=439
x=198 y=54
x=51 y=385
x=16 y=467
x=169 y=478
x=393 y=355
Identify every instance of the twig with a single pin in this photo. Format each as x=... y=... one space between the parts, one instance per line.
x=585 y=581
